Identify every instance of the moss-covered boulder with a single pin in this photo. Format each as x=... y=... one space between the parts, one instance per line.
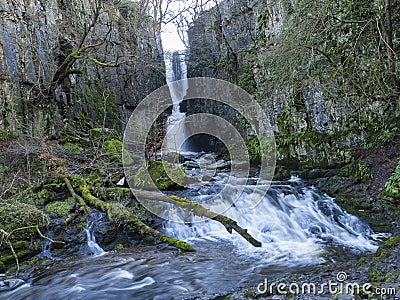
x=163 y=181
x=60 y=209
x=44 y=196
x=385 y=264
x=113 y=147
x=19 y=215
x=19 y=223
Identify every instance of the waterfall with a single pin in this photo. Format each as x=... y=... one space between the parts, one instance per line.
x=91 y=239
x=46 y=247
x=176 y=72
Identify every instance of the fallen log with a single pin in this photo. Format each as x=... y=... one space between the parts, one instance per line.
x=120 y=215
x=78 y=198
x=199 y=210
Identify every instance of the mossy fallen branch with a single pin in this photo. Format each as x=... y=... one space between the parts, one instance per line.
x=102 y=64
x=199 y=210
x=119 y=214
x=6 y=238
x=78 y=198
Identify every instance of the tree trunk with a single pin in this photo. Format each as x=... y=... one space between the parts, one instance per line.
x=198 y=210
x=118 y=214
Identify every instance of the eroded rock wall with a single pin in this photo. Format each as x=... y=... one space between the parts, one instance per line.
x=320 y=70
x=115 y=63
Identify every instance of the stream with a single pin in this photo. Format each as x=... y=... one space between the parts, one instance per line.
x=299 y=228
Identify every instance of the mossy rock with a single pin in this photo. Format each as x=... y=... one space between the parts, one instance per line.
x=365 y=211
x=113 y=147
x=17 y=219
x=59 y=208
x=357 y=170
x=7 y=258
x=18 y=215
x=159 y=176
x=44 y=196
x=385 y=264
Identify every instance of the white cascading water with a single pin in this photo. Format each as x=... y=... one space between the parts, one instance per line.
x=46 y=247
x=95 y=248
x=295 y=223
x=176 y=74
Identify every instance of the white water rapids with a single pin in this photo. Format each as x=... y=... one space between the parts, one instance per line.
x=295 y=223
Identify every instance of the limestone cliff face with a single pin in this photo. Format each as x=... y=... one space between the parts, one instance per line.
x=319 y=69
x=69 y=64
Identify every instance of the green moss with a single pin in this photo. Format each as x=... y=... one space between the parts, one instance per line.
x=113 y=194
x=59 y=208
x=380 y=269
x=388 y=245
x=88 y=92
x=113 y=147
x=159 y=176
x=392 y=186
x=246 y=79
x=363 y=262
x=71 y=147
x=103 y=111
x=21 y=245
x=20 y=221
x=26 y=197
x=44 y=196
x=128 y=159
x=7 y=258
x=96 y=178
x=177 y=243
x=120 y=215
x=18 y=215
x=7 y=135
